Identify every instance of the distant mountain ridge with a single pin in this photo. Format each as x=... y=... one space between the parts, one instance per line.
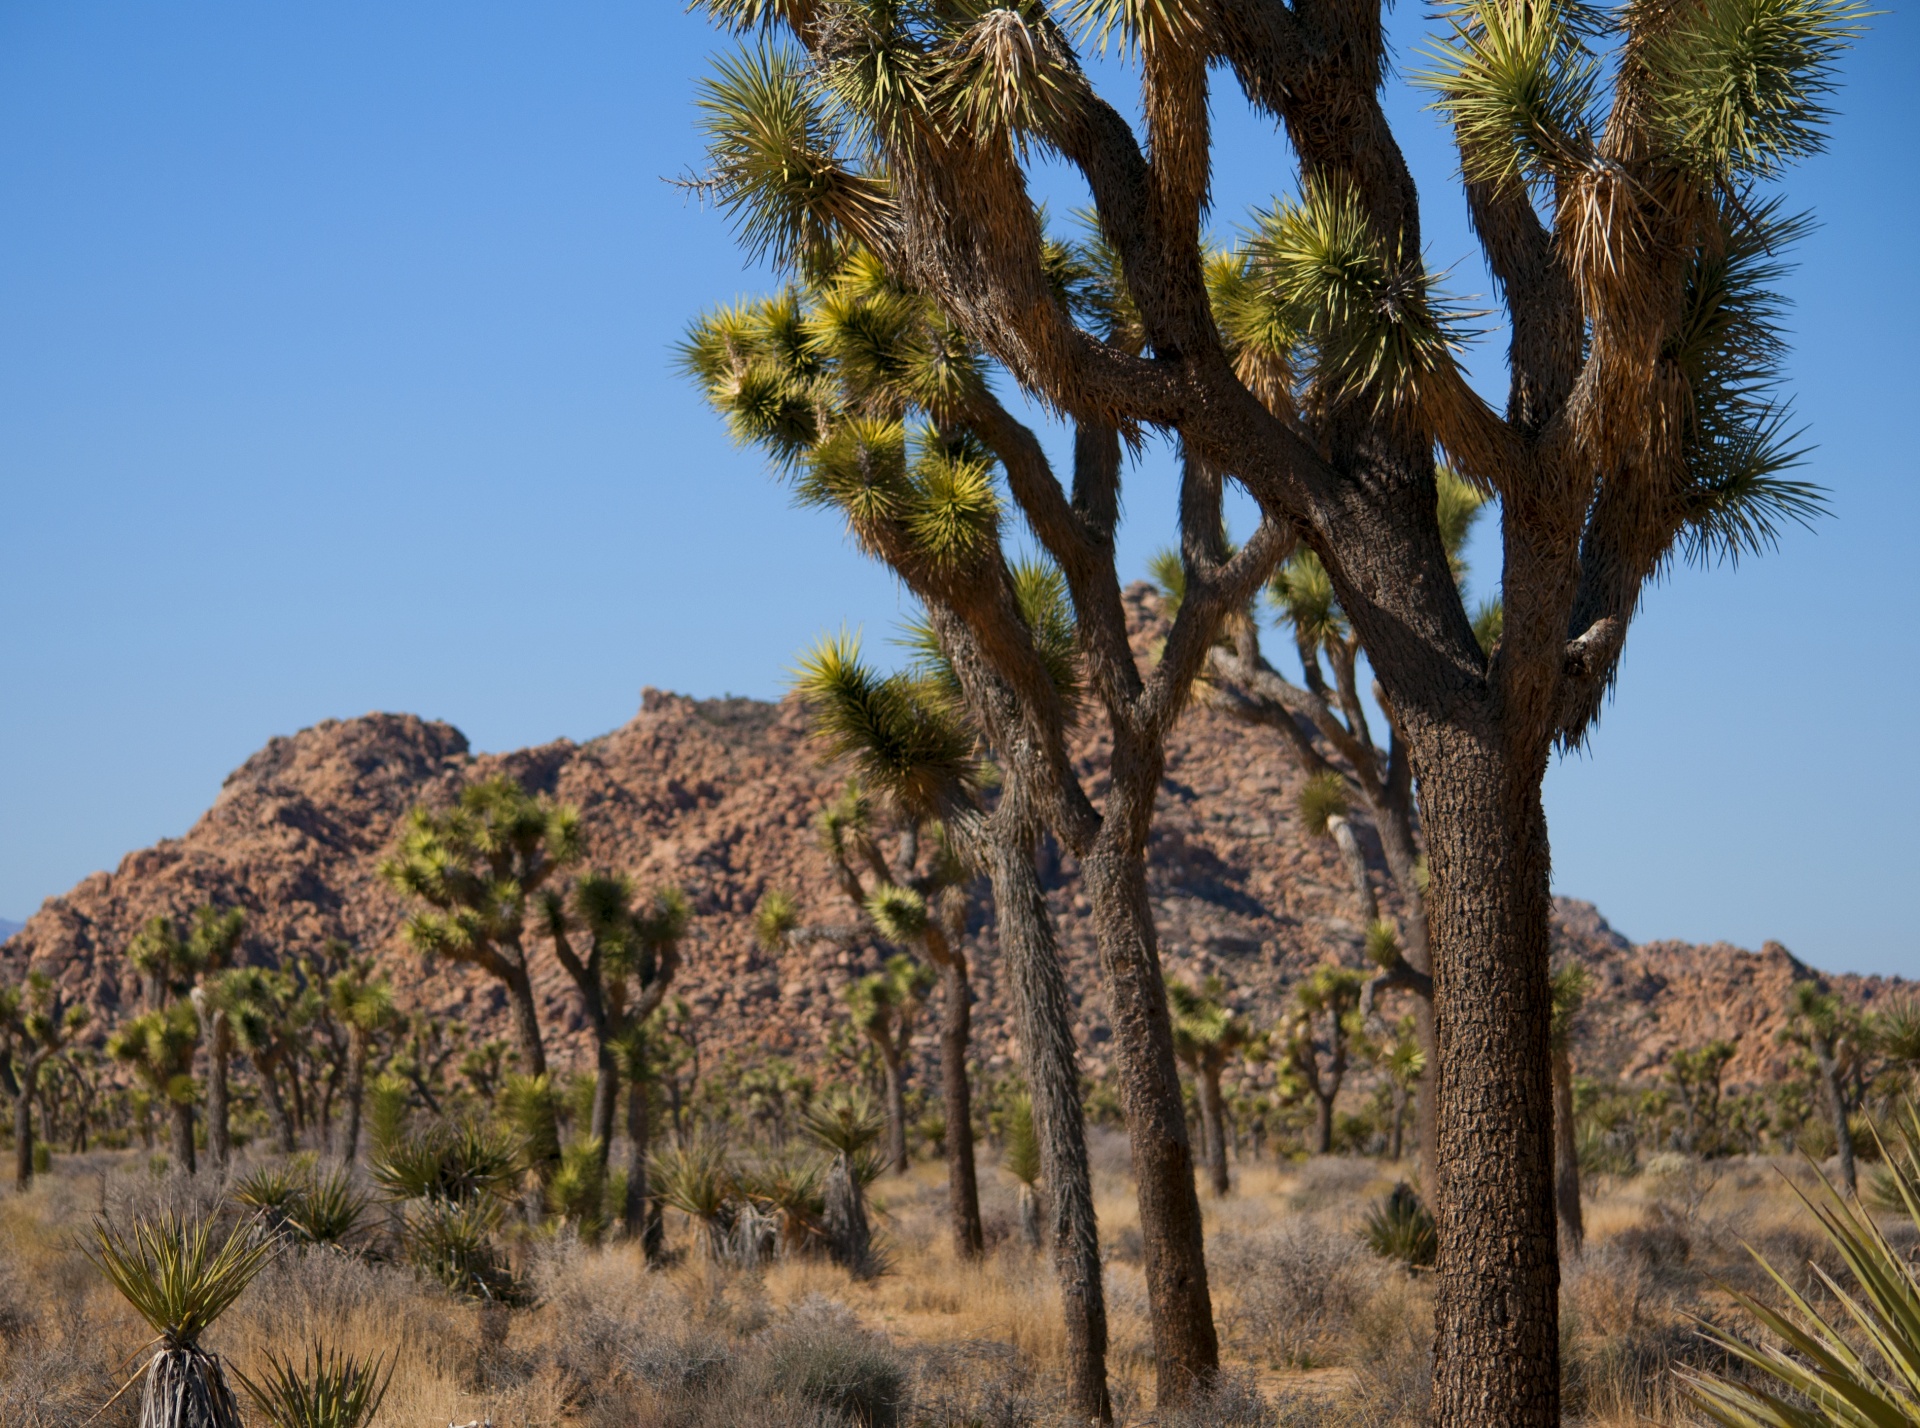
x=720 y=796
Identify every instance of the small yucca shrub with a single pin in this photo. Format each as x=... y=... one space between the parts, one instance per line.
x=180 y=1281
x=1400 y=1226
x=578 y=1191
x=327 y=1390
x=328 y=1210
x=447 y=1161
x=453 y=1243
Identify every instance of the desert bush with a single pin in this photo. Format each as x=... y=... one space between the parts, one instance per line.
x=1330 y=1182
x=821 y=1356
x=975 y=1385
x=1234 y=1402
x=1293 y=1291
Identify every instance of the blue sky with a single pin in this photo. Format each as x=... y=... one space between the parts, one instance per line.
x=335 y=350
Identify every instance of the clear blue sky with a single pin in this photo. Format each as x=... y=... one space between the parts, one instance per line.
x=335 y=376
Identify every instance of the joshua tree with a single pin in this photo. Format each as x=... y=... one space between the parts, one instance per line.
x=923 y=501
x=158 y=1046
x=1405 y=1065
x=1206 y=1038
x=915 y=735
x=1023 y=1164
x=259 y=1005
x=1834 y=1038
x=1570 y=984
x=172 y=966
x=884 y=1006
x=363 y=1004
x=474 y=869
x=1696 y=1073
x=633 y=954
x=846 y=1126
x=1318 y=1042
x=918 y=905
x=37 y=1022
x=1617 y=194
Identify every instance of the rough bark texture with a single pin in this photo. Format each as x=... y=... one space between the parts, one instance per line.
x=23 y=1098
x=218 y=1036
x=1497 y=1307
x=1186 y=1348
x=1042 y=1019
x=894 y=1068
x=354 y=1094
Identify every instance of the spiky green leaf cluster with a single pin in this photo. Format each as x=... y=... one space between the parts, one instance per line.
x=328 y=1389
x=776 y=915
x=1738 y=88
x=1518 y=82
x=1204 y=1027
x=775 y=159
x=1321 y=286
x=900 y=736
x=1848 y=1357
x=1322 y=799
x=175 y=1274
x=1302 y=592
x=900 y=913
x=1728 y=347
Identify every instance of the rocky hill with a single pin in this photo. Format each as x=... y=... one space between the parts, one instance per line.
x=719 y=796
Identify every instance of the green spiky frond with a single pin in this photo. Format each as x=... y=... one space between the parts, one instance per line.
x=845 y=1122
x=900 y=913
x=1458 y=506
x=881 y=1001
x=1302 y=592
x=159 y=1047
x=776 y=916
x=1848 y=1354
x=874 y=68
x=1023 y=1142
x=1729 y=348
x=1169 y=575
x=897 y=738
x=1204 y=1027
x=774 y=160
x=1738 y=88
x=174 y=1273
x=327 y=1389
x=1365 y=322
x=1331 y=989
x=1383 y=944
x=1040 y=590
x=1323 y=798
x=457 y=1162
x=1518 y=83
x=1001 y=71
x=1489 y=624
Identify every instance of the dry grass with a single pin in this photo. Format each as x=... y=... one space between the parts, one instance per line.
x=1317 y=1332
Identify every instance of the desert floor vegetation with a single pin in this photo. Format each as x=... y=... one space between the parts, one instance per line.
x=1316 y=1327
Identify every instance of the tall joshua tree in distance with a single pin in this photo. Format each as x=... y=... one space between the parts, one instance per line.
x=1207 y=1036
x=632 y=956
x=1618 y=194
x=37 y=1022
x=471 y=872
x=919 y=736
x=914 y=900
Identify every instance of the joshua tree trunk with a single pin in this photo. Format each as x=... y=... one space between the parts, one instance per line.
x=1836 y=1109
x=1394 y=1144
x=1186 y=1349
x=1043 y=1021
x=1213 y=1128
x=1566 y=1157
x=1496 y=1352
x=963 y=1192
x=533 y=1054
x=355 y=1091
x=606 y=1096
x=893 y=1065
x=638 y=1218
x=24 y=1092
x=181 y=1145
x=276 y=1106
x=217 y=1029
x=1323 y=1120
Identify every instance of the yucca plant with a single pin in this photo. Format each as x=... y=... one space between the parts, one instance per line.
x=454 y=1243
x=328 y=1389
x=788 y=1187
x=1401 y=1227
x=328 y=1209
x=1023 y=1164
x=176 y=1277
x=273 y=1190
x=698 y=1182
x=447 y=1161
x=578 y=1191
x=1854 y=1366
